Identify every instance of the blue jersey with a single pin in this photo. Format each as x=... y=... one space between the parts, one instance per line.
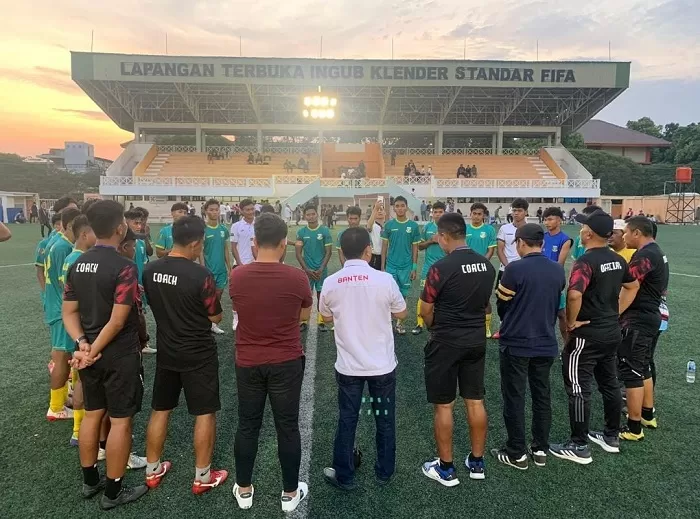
x=553 y=244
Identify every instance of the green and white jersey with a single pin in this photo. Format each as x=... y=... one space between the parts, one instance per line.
x=434 y=252
x=481 y=239
x=402 y=236
x=314 y=243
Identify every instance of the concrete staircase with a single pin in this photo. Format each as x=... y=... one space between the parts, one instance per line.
x=154 y=168
x=541 y=168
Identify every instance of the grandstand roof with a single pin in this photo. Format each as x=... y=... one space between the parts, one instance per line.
x=602 y=133
x=393 y=94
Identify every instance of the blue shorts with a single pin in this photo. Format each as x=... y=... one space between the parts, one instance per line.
x=317 y=285
x=402 y=278
x=562 y=300
x=60 y=340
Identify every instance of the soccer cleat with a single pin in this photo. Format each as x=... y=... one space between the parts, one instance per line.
x=101 y=454
x=215 y=329
x=650 y=424
x=136 y=462
x=234 y=326
x=477 y=469
x=496 y=335
x=488 y=334
x=571 y=451
x=290 y=503
x=217 y=478
x=626 y=434
x=539 y=457
x=330 y=477
x=400 y=329
x=74 y=440
x=245 y=499
x=303 y=326
x=503 y=457
x=148 y=350
x=432 y=470
x=64 y=414
x=607 y=443
x=126 y=496
x=153 y=480
x=417 y=330
x=91 y=491
x=322 y=327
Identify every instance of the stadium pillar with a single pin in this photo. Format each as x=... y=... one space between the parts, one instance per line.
x=557 y=137
x=380 y=138
x=260 y=141
x=499 y=141
x=438 y=142
x=549 y=140
x=198 y=138
x=494 y=140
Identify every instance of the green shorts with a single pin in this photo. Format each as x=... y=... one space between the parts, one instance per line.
x=221 y=279
x=562 y=300
x=317 y=285
x=402 y=278
x=60 y=340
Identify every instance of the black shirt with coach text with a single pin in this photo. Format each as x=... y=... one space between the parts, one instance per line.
x=649 y=266
x=182 y=295
x=599 y=275
x=99 y=279
x=460 y=286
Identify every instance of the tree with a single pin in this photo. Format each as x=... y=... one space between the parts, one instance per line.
x=645 y=125
x=574 y=141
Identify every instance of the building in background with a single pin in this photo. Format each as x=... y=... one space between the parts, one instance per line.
x=76 y=156
x=620 y=141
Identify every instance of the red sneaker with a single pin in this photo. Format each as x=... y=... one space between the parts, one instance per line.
x=217 y=478
x=497 y=335
x=153 y=480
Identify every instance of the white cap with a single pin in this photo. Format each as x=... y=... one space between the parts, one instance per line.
x=619 y=225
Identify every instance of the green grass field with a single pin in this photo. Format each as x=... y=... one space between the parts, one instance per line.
x=40 y=475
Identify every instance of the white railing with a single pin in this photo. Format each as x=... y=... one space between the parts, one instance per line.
x=306 y=149
x=530 y=152
x=176 y=148
x=467 y=151
x=353 y=182
x=412 y=181
x=514 y=183
x=302 y=180
x=409 y=151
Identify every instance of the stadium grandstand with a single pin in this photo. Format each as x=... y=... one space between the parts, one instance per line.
x=335 y=129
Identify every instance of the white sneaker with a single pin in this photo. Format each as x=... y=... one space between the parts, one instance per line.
x=135 y=462
x=289 y=503
x=64 y=414
x=148 y=349
x=101 y=454
x=216 y=329
x=235 y=321
x=244 y=500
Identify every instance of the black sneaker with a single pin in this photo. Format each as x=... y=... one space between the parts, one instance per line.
x=126 y=496
x=384 y=482
x=322 y=327
x=417 y=330
x=89 y=492
x=503 y=457
x=607 y=443
x=303 y=327
x=330 y=478
x=571 y=451
x=538 y=456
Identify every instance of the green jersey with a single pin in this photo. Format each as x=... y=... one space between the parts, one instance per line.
x=140 y=258
x=402 y=236
x=314 y=243
x=68 y=263
x=434 y=252
x=40 y=252
x=216 y=239
x=165 y=238
x=481 y=239
x=51 y=239
x=53 y=272
x=337 y=240
x=578 y=249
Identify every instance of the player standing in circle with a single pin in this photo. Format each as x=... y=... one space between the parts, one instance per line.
x=215 y=252
x=314 y=247
x=375 y=225
x=557 y=245
x=433 y=253
x=481 y=238
x=401 y=237
x=354 y=215
x=242 y=235
x=165 y=238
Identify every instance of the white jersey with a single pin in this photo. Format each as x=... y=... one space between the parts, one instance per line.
x=506 y=234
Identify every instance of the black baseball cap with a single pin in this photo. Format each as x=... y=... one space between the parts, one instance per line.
x=531 y=232
x=598 y=221
x=129 y=236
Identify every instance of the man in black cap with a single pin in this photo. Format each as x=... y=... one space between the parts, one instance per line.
x=528 y=302
x=600 y=289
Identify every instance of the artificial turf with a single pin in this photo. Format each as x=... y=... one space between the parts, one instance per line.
x=40 y=476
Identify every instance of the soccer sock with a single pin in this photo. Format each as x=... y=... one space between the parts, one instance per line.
x=91 y=476
x=419 y=319
x=475 y=458
x=113 y=488
x=648 y=413
x=635 y=426
x=153 y=468
x=74 y=377
x=488 y=323
x=203 y=474
x=78 y=415
x=319 y=320
x=103 y=444
x=446 y=465
x=58 y=399
x=66 y=391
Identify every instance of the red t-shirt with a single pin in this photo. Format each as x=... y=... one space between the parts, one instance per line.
x=268 y=298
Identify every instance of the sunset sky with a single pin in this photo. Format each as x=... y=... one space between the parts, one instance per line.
x=41 y=107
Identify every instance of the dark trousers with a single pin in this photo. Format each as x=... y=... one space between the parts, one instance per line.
x=382 y=391
x=582 y=361
x=48 y=227
x=516 y=372
x=282 y=383
x=376 y=262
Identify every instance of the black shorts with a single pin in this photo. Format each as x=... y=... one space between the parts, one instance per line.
x=115 y=385
x=447 y=366
x=498 y=278
x=634 y=358
x=201 y=388
x=376 y=262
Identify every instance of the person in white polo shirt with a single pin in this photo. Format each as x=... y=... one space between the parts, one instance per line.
x=375 y=224
x=361 y=302
x=242 y=234
x=505 y=240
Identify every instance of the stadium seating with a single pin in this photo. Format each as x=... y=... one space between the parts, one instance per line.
x=488 y=166
x=197 y=165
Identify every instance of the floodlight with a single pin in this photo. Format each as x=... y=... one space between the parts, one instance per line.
x=331 y=113
x=317 y=101
x=307 y=101
x=306 y=113
x=324 y=101
x=333 y=101
x=314 y=114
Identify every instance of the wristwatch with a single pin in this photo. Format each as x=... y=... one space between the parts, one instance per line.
x=80 y=339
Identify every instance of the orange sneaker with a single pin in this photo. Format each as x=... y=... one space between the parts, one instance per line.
x=153 y=480
x=217 y=478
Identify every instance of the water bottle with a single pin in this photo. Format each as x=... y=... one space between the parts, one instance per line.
x=690 y=372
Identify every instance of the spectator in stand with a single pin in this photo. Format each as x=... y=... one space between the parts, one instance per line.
x=251 y=158
x=393 y=157
x=429 y=172
x=258 y=159
x=474 y=174
x=422 y=169
x=406 y=170
x=469 y=172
